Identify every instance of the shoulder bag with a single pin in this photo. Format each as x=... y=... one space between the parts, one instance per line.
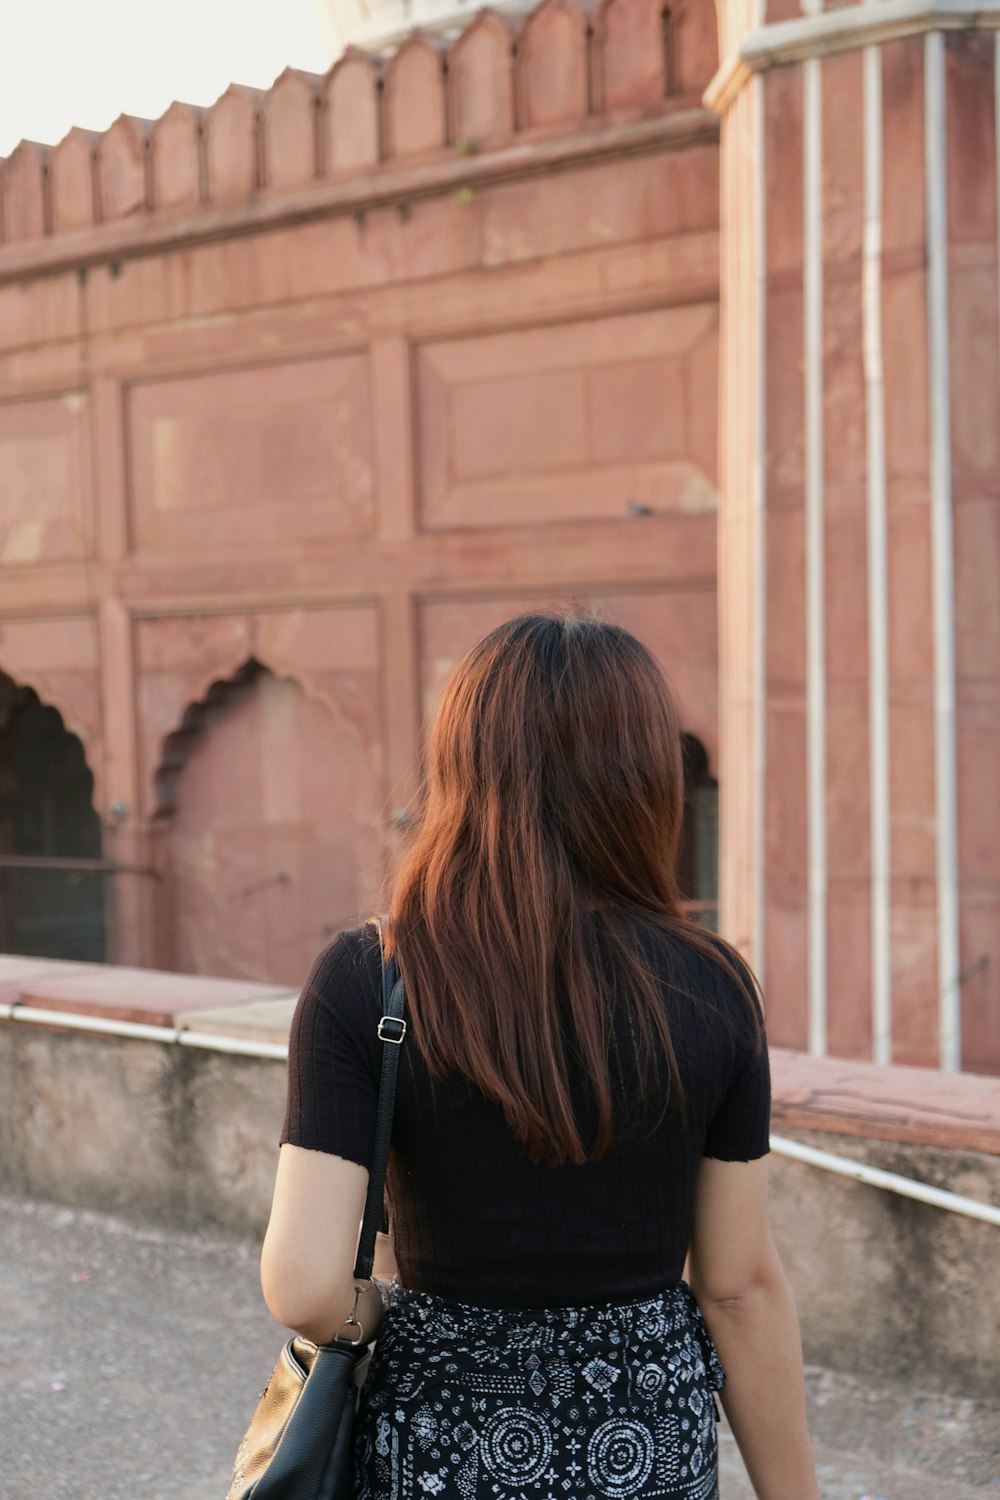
x=299 y=1445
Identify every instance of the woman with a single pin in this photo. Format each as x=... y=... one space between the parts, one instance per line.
x=583 y=1102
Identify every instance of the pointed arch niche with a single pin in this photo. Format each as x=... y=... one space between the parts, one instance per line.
x=698 y=856
x=47 y=909
x=268 y=810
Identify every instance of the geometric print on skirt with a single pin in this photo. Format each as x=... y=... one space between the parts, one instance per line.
x=593 y=1403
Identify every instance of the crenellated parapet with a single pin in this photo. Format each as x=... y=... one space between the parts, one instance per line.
x=565 y=66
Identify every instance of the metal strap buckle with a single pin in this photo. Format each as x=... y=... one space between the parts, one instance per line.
x=383 y=1036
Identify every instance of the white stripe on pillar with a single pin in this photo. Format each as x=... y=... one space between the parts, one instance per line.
x=878 y=576
x=815 y=592
x=760 y=539
x=935 y=124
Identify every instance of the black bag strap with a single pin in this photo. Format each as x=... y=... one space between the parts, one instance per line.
x=391 y=1031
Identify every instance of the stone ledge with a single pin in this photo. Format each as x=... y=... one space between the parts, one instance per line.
x=919 y=1106
x=147 y=996
x=266 y=1020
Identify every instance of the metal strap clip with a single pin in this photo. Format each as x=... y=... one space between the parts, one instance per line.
x=392 y=1021
x=351 y=1322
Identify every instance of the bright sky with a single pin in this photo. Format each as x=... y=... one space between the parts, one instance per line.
x=85 y=62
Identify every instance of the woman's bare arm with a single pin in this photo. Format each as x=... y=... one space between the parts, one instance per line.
x=307 y=1263
x=740 y=1286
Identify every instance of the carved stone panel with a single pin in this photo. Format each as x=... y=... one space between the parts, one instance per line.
x=582 y=420
x=280 y=452
x=44 y=480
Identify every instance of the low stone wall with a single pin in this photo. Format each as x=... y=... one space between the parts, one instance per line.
x=883 y=1284
x=186 y=1136
x=176 y=1134
x=887 y=1285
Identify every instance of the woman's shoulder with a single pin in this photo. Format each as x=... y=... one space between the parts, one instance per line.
x=347 y=972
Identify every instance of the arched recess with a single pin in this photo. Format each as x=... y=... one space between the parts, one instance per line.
x=47 y=814
x=269 y=814
x=698 y=856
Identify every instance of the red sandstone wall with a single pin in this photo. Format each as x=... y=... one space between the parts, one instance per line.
x=330 y=380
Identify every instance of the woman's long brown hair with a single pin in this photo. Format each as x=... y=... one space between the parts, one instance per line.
x=552 y=804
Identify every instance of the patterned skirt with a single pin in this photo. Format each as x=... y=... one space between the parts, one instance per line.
x=591 y=1403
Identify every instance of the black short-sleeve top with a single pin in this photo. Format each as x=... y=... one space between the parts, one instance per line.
x=472 y=1218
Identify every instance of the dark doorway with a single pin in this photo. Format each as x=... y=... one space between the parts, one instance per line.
x=46 y=812
x=698 y=858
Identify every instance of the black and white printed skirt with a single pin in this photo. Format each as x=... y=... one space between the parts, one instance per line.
x=591 y=1403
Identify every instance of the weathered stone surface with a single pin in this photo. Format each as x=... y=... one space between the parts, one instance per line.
x=848 y=925
x=72 y=184
x=783 y=168
x=232 y=151
x=971 y=137
x=350 y=123
x=23 y=182
x=252 y=1021
x=858 y=1258
x=481 y=84
x=553 y=55
x=692 y=49
x=415 y=99
x=288 y=114
x=123 y=168
x=904 y=212
x=980 y=1014
x=918 y=1107
x=134 y=995
x=633 y=56
x=176 y=148
x=785 y=936
x=842 y=157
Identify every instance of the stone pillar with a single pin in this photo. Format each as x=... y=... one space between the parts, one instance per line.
x=859 y=528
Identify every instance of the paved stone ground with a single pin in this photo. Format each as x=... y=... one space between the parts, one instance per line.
x=132 y=1357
